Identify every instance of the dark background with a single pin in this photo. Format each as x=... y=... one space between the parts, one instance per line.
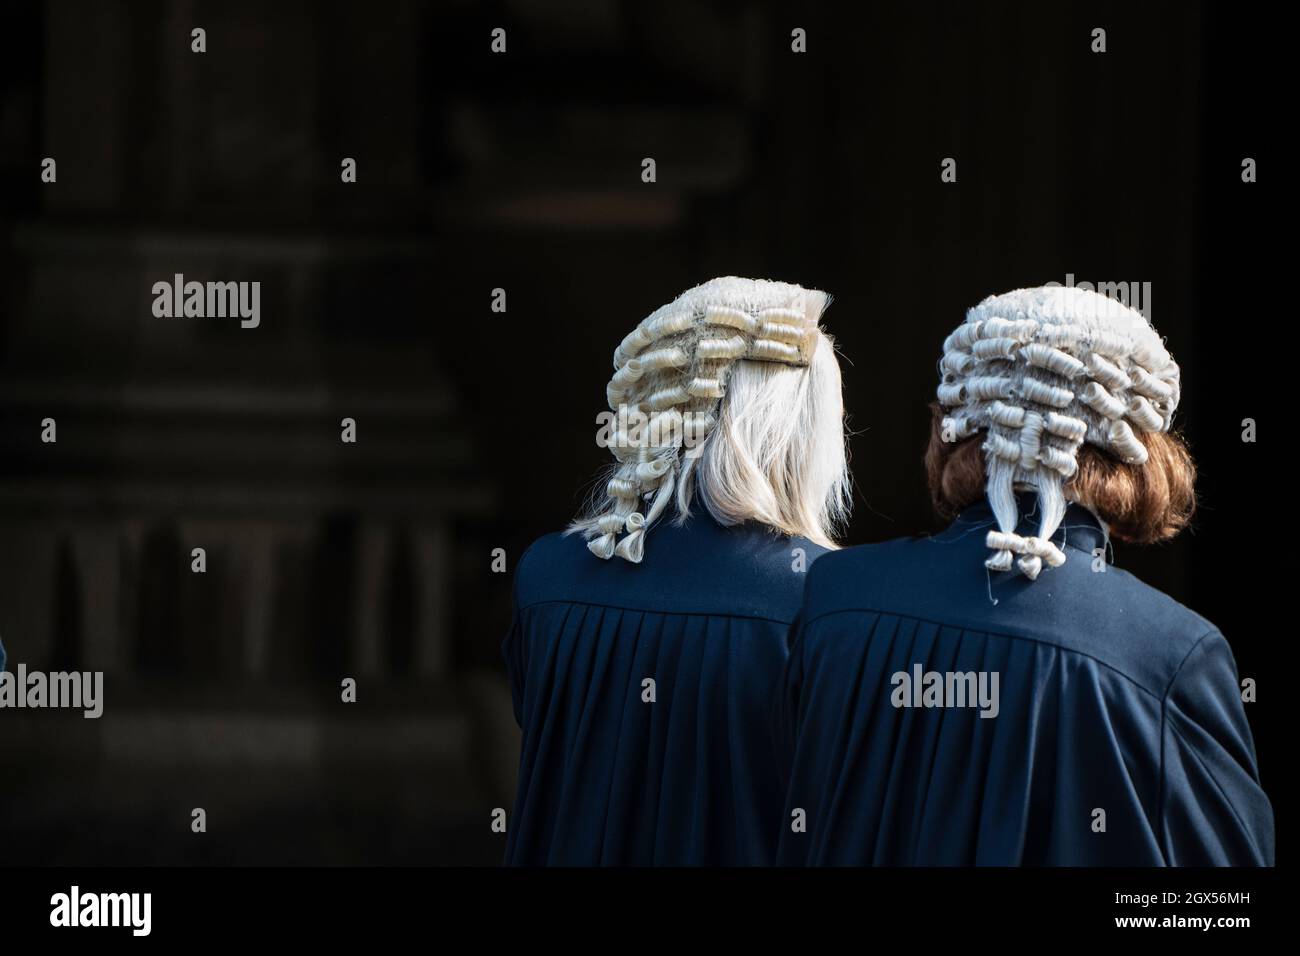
x=476 y=430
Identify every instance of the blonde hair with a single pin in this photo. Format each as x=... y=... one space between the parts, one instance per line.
x=741 y=404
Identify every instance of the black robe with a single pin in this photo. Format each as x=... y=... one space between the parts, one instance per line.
x=1120 y=737
x=606 y=777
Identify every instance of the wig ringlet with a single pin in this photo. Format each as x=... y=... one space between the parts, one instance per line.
x=739 y=394
x=1043 y=372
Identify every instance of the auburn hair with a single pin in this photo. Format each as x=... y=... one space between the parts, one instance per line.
x=1142 y=504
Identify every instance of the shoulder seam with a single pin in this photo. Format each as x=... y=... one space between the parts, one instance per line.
x=650 y=610
x=1186 y=657
x=1164 y=723
x=1004 y=634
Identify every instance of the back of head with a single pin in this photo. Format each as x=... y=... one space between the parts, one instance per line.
x=1074 y=394
x=731 y=393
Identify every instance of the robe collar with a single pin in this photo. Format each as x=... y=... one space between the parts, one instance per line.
x=1080 y=529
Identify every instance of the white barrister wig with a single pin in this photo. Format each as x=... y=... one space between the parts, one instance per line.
x=1042 y=371
x=680 y=380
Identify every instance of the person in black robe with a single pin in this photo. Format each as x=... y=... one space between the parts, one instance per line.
x=647 y=642
x=1000 y=693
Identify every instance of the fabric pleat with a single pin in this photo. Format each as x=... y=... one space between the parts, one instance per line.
x=691 y=778
x=1119 y=737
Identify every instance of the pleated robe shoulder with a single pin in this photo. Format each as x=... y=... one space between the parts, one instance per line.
x=646 y=696
x=1119 y=736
